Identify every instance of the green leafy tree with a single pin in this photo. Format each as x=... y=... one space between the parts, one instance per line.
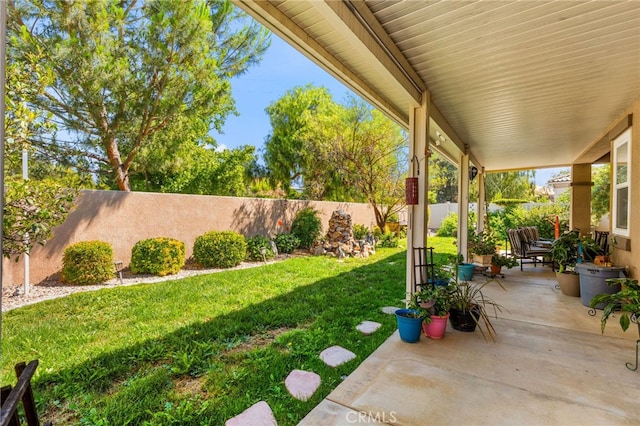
x=128 y=72
x=369 y=153
x=31 y=208
x=600 y=192
x=443 y=179
x=292 y=147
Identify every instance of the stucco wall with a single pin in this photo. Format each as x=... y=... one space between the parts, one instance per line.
x=123 y=218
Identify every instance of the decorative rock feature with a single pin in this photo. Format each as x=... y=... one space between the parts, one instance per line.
x=368 y=327
x=390 y=310
x=339 y=240
x=302 y=384
x=336 y=355
x=259 y=414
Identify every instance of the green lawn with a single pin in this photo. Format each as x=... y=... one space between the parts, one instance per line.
x=201 y=350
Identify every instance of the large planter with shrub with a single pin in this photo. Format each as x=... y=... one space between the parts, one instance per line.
x=569 y=283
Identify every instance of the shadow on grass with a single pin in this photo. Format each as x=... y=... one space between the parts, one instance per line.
x=208 y=372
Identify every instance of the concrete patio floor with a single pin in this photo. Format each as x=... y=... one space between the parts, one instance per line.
x=550 y=365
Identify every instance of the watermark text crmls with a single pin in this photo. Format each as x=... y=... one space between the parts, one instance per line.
x=371 y=417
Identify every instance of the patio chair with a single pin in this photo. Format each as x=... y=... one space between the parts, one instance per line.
x=423 y=268
x=523 y=250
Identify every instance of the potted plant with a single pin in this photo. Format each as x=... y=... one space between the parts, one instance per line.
x=564 y=253
x=462 y=270
x=626 y=301
x=500 y=260
x=482 y=246
x=436 y=301
x=410 y=320
x=469 y=308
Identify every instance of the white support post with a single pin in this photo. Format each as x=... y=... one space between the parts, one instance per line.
x=417 y=215
x=463 y=205
x=482 y=201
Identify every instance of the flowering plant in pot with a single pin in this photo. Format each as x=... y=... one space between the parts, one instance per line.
x=437 y=302
x=469 y=308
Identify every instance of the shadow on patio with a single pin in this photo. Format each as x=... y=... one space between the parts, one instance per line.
x=549 y=365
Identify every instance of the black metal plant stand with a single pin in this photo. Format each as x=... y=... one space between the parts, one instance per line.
x=628 y=364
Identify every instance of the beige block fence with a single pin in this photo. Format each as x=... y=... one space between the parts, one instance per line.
x=124 y=218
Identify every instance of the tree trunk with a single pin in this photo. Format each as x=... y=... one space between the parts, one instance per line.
x=121 y=171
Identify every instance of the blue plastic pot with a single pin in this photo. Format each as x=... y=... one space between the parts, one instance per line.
x=408 y=327
x=465 y=271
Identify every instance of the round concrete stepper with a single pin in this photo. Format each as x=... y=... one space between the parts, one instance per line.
x=390 y=310
x=368 y=327
x=302 y=384
x=259 y=414
x=336 y=355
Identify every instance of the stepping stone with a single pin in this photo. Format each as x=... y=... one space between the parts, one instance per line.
x=336 y=355
x=391 y=310
x=302 y=384
x=259 y=414
x=368 y=327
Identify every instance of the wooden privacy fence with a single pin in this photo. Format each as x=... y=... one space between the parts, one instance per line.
x=11 y=397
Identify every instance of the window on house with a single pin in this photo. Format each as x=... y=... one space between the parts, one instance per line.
x=621 y=181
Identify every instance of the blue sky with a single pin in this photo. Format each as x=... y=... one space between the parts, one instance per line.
x=282 y=68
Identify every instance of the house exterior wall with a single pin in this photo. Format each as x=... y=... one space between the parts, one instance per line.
x=124 y=218
x=631 y=258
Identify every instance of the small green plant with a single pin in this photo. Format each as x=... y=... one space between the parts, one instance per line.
x=503 y=260
x=88 y=262
x=306 y=226
x=160 y=256
x=482 y=243
x=626 y=301
x=286 y=243
x=220 y=249
x=468 y=297
x=360 y=231
x=256 y=246
x=388 y=240
x=435 y=299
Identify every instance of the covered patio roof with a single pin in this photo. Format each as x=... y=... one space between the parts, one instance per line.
x=522 y=84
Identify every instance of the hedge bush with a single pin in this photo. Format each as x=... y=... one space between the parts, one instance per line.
x=220 y=249
x=306 y=227
x=88 y=262
x=253 y=248
x=160 y=256
x=388 y=240
x=286 y=243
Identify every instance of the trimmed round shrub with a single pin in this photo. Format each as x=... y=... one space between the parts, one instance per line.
x=253 y=248
x=220 y=249
x=88 y=262
x=306 y=227
x=160 y=256
x=286 y=243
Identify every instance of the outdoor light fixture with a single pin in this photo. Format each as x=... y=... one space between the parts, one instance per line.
x=411 y=185
x=473 y=172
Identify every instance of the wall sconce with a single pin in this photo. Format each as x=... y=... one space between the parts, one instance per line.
x=473 y=172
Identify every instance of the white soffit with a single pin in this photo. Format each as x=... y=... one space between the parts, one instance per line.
x=525 y=84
